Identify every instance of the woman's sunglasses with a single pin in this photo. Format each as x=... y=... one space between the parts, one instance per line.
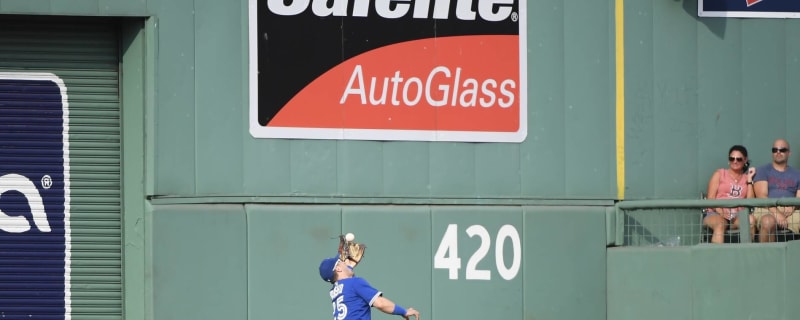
x=735 y=159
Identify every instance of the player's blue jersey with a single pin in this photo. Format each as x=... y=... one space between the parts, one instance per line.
x=352 y=299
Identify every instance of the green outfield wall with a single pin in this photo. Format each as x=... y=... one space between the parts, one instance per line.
x=261 y=261
x=627 y=100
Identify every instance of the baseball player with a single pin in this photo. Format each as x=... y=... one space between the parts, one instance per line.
x=352 y=297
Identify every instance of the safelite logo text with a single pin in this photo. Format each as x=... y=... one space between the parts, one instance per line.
x=434 y=70
x=490 y=10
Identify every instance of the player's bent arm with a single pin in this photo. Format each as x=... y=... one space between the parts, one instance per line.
x=389 y=307
x=384 y=305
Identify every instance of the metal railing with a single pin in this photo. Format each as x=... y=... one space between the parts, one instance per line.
x=680 y=222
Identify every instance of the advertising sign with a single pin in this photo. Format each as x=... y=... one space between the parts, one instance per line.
x=427 y=70
x=749 y=8
x=34 y=197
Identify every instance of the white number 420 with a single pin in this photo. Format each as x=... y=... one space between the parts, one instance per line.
x=446 y=256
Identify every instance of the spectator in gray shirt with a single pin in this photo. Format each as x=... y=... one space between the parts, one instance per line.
x=777 y=180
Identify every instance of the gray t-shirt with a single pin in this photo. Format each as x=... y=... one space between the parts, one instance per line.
x=780 y=184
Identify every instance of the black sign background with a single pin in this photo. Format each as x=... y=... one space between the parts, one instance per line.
x=295 y=50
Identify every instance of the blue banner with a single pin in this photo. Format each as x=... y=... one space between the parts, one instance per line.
x=34 y=197
x=749 y=8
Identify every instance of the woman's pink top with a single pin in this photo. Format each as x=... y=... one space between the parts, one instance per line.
x=731 y=189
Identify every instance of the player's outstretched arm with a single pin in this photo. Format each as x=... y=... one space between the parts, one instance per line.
x=389 y=307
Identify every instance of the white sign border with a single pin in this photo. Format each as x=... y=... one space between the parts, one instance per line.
x=259 y=131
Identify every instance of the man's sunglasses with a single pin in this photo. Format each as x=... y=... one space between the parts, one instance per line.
x=735 y=159
x=776 y=150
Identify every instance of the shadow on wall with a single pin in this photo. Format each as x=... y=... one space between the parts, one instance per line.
x=715 y=25
x=636 y=234
x=662 y=227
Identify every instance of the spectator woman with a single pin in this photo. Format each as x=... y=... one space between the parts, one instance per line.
x=733 y=182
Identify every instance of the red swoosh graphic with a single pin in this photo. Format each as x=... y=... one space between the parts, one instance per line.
x=475 y=78
x=752 y=2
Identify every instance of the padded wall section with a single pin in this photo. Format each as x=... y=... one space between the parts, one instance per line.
x=199 y=262
x=703 y=282
x=478 y=281
x=792 y=278
x=646 y=284
x=747 y=280
x=558 y=268
x=285 y=245
x=398 y=259
x=565 y=261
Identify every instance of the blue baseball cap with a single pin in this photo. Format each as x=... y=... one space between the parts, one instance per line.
x=326 y=268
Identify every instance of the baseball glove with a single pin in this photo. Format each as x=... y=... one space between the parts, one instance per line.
x=350 y=250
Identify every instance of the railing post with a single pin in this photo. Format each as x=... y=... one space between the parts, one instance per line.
x=744 y=225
